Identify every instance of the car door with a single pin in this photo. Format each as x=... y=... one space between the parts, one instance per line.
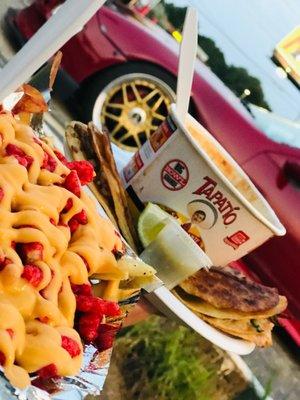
x=276 y=174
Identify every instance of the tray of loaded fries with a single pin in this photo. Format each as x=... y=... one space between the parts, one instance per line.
x=68 y=278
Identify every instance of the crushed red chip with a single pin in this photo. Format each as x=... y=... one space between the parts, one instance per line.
x=97 y=305
x=88 y=326
x=72 y=183
x=49 y=162
x=86 y=304
x=81 y=217
x=29 y=160
x=25 y=161
x=106 y=336
x=105 y=341
x=68 y=206
x=19 y=154
x=84 y=289
x=13 y=150
x=2 y=358
x=77 y=219
x=84 y=169
x=71 y=346
x=33 y=274
x=1 y=194
x=30 y=252
x=49 y=371
x=52 y=221
x=73 y=225
x=61 y=157
x=21 y=160
x=112 y=309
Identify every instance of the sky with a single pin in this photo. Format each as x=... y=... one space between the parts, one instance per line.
x=247 y=32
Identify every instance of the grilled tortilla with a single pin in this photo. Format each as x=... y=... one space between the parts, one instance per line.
x=258 y=331
x=226 y=288
x=102 y=147
x=231 y=302
x=202 y=307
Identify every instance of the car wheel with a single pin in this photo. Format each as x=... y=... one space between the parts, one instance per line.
x=130 y=100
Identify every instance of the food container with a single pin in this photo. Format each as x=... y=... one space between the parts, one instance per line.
x=168 y=253
x=89 y=382
x=185 y=170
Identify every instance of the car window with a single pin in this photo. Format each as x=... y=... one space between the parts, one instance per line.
x=279 y=129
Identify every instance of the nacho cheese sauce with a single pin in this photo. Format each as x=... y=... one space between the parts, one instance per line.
x=223 y=164
x=36 y=315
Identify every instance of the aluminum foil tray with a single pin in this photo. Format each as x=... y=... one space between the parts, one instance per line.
x=88 y=384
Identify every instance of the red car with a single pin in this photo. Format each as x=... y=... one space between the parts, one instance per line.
x=124 y=76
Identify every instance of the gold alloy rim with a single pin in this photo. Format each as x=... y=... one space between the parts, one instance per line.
x=133 y=109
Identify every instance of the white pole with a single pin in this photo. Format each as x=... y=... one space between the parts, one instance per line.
x=65 y=23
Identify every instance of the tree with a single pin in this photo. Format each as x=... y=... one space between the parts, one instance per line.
x=216 y=60
x=175 y=15
x=236 y=78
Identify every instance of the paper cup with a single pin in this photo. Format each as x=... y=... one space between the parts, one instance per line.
x=184 y=169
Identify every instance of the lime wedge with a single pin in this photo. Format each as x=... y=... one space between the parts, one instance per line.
x=151 y=221
x=175 y=255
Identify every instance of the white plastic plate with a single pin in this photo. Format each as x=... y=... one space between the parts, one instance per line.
x=169 y=305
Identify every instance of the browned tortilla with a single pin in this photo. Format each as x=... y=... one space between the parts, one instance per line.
x=226 y=288
x=244 y=329
x=200 y=306
x=102 y=147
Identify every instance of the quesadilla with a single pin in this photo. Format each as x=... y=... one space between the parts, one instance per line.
x=229 y=288
x=232 y=303
x=256 y=331
x=202 y=307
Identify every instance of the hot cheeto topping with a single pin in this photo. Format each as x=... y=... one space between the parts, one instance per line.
x=51 y=242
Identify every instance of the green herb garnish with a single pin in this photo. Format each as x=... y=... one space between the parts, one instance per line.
x=256 y=325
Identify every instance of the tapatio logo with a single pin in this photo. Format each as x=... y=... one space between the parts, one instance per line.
x=224 y=206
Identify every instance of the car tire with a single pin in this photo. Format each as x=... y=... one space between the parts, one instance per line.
x=100 y=84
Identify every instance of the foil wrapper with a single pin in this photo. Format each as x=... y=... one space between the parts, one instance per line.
x=87 y=384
